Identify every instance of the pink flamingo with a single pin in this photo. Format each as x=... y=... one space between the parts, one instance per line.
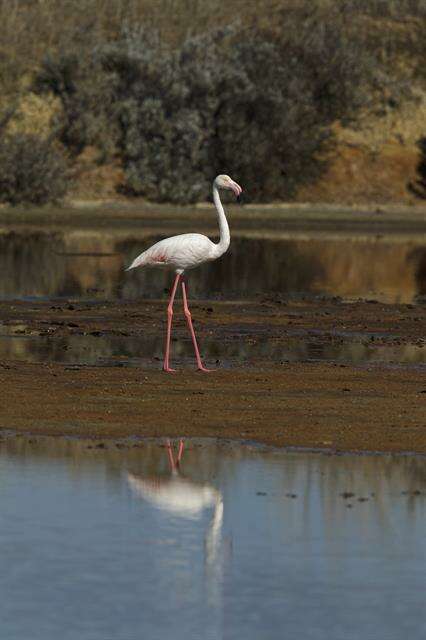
x=188 y=251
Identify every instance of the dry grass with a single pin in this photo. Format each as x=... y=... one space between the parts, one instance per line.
x=30 y=28
x=34 y=115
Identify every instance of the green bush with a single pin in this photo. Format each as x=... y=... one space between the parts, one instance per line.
x=31 y=170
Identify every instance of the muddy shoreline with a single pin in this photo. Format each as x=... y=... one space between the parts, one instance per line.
x=292 y=217
x=334 y=406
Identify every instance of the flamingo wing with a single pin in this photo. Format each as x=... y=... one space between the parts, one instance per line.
x=181 y=252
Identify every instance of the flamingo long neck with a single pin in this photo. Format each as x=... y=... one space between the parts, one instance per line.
x=225 y=236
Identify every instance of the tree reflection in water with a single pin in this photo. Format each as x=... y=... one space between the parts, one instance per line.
x=47 y=264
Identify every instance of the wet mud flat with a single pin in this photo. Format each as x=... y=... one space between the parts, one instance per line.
x=374 y=402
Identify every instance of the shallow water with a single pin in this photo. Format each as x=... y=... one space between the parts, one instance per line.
x=111 y=350
x=240 y=543
x=90 y=264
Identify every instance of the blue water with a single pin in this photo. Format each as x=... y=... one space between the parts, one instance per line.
x=100 y=544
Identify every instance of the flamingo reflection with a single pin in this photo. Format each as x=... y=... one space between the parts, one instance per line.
x=182 y=497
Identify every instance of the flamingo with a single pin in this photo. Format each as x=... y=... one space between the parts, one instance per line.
x=187 y=251
x=182 y=497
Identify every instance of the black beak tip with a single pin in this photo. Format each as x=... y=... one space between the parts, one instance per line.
x=239 y=198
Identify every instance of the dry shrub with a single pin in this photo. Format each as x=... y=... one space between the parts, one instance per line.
x=257 y=104
x=31 y=170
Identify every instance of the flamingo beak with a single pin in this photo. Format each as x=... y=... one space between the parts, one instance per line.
x=236 y=189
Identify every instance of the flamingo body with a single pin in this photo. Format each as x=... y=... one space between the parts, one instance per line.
x=176 y=495
x=182 y=252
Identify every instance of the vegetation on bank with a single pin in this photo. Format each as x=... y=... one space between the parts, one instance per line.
x=176 y=100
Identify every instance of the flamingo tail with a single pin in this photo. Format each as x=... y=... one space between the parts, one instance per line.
x=138 y=262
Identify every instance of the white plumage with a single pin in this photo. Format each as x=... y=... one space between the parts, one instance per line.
x=187 y=251
x=182 y=252
x=176 y=495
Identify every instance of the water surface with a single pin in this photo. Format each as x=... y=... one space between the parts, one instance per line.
x=90 y=264
x=18 y=343
x=238 y=543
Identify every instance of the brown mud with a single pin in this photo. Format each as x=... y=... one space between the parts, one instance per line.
x=327 y=405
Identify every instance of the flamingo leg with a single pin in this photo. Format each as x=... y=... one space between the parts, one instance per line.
x=188 y=317
x=166 y=365
x=171 y=459
x=174 y=464
x=181 y=445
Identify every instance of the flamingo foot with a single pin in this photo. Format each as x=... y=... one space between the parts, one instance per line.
x=168 y=370
x=204 y=369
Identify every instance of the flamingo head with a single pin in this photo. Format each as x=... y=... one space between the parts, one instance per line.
x=225 y=182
